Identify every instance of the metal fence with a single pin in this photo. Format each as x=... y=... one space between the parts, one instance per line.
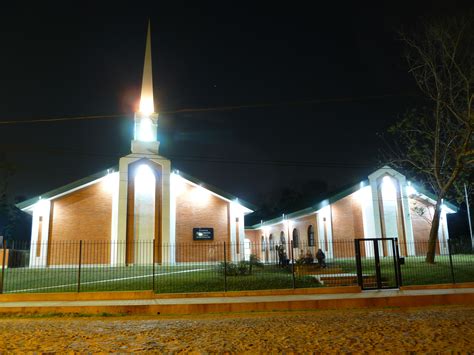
x=79 y=266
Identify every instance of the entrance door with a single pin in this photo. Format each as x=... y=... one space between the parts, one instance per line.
x=374 y=270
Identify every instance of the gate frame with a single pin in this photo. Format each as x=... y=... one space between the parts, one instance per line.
x=378 y=275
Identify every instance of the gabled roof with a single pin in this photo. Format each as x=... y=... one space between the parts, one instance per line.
x=79 y=184
x=314 y=208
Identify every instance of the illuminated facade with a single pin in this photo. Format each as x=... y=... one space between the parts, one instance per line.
x=136 y=213
x=144 y=211
x=385 y=205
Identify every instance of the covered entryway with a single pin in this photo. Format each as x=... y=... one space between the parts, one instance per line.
x=374 y=270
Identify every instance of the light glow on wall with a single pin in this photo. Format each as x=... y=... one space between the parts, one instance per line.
x=237 y=207
x=200 y=194
x=42 y=207
x=145 y=130
x=179 y=185
x=144 y=180
x=363 y=195
x=411 y=190
x=111 y=181
x=389 y=191
x=325 y=213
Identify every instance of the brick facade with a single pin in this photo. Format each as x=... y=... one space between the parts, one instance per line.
x=198 y=208
x=347 y=224
x=84 y=214
x=301 y=225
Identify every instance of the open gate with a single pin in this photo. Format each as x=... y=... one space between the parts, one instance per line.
x=378 y=263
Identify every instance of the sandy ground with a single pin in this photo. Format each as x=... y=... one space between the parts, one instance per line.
x=428 y=329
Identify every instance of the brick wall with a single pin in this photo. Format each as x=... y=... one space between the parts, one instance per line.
x=301 y=225
x=255 y=238
x=347 y=224
x=196 y=207
x=85 y=215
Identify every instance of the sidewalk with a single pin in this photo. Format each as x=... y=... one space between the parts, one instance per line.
x=180 y=305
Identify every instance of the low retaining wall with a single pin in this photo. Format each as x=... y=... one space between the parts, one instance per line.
x=143 y=295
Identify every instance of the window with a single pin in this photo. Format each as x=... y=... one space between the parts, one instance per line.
x=282 y=238
x=271 y=242
x=296 y=239
x=264 y=245
x=311 y=236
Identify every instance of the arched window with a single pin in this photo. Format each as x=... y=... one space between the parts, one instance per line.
x=296 y=239
x=271 y=242
x=311 y=236
x=264 y=245
x=282 y=238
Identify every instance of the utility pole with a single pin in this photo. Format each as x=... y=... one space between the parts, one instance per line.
x=469 y=216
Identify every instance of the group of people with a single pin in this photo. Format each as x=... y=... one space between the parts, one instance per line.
x=308 y=258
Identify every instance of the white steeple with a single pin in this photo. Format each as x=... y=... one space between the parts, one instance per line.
x=146 y=119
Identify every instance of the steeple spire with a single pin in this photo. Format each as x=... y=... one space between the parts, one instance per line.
x=146 y=119
x=146 y=98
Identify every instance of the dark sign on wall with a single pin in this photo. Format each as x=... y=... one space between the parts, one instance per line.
x=203 y=233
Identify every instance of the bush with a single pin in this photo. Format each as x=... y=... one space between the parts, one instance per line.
x=241 y=268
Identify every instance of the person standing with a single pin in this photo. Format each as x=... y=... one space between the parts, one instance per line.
x=321 y=258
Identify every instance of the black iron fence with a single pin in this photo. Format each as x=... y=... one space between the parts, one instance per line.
x=79 y=266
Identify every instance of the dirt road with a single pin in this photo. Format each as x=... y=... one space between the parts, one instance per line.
x=428 y=329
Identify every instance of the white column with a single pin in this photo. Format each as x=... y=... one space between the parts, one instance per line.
x=330 y=253
x=367 y=206
x=114 y=179
x=41 y=209
x=409 y=238
x=171 y=250
x=122 y=206
x=325 y=213
x=233 y=214
x=376 y=210
x=166 y=219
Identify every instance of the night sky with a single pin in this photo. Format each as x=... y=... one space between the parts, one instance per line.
x=325 y=79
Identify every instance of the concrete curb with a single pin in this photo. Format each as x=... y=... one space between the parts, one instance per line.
x=397 y=298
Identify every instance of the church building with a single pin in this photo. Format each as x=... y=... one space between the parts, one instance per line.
x=143 y=211
x=124 y=213
x=385 y=205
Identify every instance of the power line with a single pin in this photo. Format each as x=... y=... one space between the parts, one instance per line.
x=60 y=119
x=208 y=109
x=198 y=159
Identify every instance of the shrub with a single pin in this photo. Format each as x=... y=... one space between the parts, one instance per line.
x=243 y=267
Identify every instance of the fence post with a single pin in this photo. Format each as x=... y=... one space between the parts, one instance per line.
x=4 y=242
x=153 y=262
x=358 y=256
x=451 y=261
x=79 y=269
x=293 y=265
x=225 y=268
x=399 y=269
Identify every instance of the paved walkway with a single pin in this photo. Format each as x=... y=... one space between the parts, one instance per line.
x=397 y=295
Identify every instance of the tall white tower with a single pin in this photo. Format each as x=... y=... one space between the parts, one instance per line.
x=146 y=119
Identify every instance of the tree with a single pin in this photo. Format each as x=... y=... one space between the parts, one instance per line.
x=7 y=211
x=436 y=142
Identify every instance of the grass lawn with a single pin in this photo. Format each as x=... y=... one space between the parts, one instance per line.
x=202 y=278
x=168 y=279
x=416 y=272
